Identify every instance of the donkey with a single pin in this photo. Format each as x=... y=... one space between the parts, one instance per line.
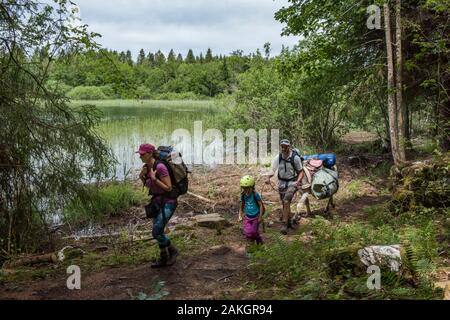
x=310 y=167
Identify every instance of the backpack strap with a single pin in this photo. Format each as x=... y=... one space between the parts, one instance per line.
x=254 y=197
x=292 y=162
x=172 y=178
x=295 y=154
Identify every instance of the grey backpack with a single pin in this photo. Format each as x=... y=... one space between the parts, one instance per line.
x=325 y=183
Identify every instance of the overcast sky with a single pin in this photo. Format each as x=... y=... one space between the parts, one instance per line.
x=222 y=25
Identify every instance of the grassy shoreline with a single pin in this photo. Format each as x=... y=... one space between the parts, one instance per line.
x=144 y=103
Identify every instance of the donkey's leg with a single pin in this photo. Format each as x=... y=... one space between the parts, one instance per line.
x=330 y=204
x=308 y=207
x=303 y=201
x=327 y=210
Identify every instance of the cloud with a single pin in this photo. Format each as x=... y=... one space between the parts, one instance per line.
x=181 y=25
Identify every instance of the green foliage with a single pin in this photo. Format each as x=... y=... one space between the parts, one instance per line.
x=158 y=294
x=47 y=148
x=59 y=87
x=150 y=76
x=179 y=96
x=107 y=200
x=86 y=93
x=325 y=267
x=422 y=185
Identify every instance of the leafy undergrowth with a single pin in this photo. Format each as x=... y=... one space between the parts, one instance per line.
x=318 y=269
x=108 y=200
x=320 y=260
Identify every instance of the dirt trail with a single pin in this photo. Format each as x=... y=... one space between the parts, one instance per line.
x=208 y=274
x=196 y=277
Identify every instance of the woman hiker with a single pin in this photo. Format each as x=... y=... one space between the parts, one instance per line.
x=157 y=180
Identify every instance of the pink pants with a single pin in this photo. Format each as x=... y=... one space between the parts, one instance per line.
x=251 y=229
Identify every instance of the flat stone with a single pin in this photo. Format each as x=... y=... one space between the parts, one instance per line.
x=304 y=221
x=219 y=250
x=212 y=221
x=7 y=271
x=444 y=285
x=101 y=249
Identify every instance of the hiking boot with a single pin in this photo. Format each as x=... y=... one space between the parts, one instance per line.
x=284 y=230
x=289 y=224
x=162 y=261
x=173 y=254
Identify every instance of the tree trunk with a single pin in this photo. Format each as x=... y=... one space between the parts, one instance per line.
x=392 y=108
x=401 y=114
x=445 y=121
x=444 y=108
x=408 y=120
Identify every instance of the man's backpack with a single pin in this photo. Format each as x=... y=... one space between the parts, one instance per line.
x=324 y=183
x=178 y=170
x=295 y=152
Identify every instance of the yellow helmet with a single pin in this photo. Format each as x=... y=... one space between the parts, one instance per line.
x=247 y=181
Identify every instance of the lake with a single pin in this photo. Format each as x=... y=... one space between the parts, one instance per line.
x=128 y=123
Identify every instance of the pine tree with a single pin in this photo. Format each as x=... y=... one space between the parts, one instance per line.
x=129 y=58
x=171 y=56
x=190 y=58
x=141 y=57
x=267 y=50
x=122 y=57
x=151 y=59
x=160 y=59
x=209 y=56
x=180 y=58
x=202 y=60
x=224 y=71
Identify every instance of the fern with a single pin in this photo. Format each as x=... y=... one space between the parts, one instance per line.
x=410 y=258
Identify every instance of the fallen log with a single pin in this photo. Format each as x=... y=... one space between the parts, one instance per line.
x=106 y=235
x=45 y=258
x=200 y=197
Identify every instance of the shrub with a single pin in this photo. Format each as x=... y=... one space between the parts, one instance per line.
x=179 y=96
x=86 y=93
x=142 y=92
x=422 y=184
x=108 y=200
x=58 y=86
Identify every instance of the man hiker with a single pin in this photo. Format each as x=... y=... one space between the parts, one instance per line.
x=155 y=176
x=290 y=174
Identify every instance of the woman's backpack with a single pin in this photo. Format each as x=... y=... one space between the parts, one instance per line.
x=178 y=170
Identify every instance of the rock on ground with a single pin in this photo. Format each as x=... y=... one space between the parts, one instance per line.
x=212 y=221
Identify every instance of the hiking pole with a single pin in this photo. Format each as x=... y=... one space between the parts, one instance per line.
x=264 y=220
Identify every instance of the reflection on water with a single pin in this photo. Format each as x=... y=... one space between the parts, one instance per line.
x=126 y=127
